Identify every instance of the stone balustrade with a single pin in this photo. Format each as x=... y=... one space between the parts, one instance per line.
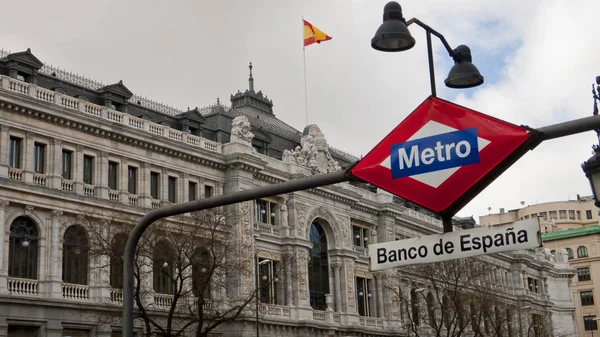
x=111 y=115
x=75 y=291
x=19 y=286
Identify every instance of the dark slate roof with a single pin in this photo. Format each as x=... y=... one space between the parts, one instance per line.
x=267 y=122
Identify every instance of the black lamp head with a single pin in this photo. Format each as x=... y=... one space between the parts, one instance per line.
x=463 y=74
x=392 y=35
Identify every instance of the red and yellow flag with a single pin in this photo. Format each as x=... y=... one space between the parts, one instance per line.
x=312 y=34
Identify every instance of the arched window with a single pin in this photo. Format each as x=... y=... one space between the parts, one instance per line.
x=23 y=249
x=570 y=253
x=431 y=309
x=447 y=312
x=201 y=272
x=117 y=247
x=75 y=255
x=318 y=267
x=163 y=268
x=582 y=252
x=414 y=306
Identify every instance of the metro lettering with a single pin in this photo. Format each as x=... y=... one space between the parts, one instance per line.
x=402 y=254
x=485 y=242
x=451 y=149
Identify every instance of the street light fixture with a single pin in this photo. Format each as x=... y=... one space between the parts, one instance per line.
x=591 y=167
x=393 y=35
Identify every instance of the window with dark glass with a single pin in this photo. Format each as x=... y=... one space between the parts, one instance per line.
x=570 y=253
x=360 y=236
x=154 y=184
x=544 y=216
x=552 y=215
x=265 y=211
x=192 y=191
x=39 y=158
x=590 y=323
x=88 y=170
x=583 y=274
x=117 y=245
x=571 y=215
x=208 y=191
x=201 y=273
x=532 y=284
x=113 y=173
x=23 y=249
x=172 y=186
x=132 y=179
x=67 y=164
x=14 y=152
x=588 y=214
x=562 y=214
x=163 y=269
x=587 y=297
x=318 y=267
x=414 y=306
x=268 y=280
x=75 y=255
x=582 y=251
x=364 y=296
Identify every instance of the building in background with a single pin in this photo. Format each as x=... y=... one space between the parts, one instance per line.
x=68 y=143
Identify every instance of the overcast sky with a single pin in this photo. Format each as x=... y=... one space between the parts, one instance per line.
x=539 y=59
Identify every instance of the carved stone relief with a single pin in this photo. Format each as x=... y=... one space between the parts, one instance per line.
x=240 y=130
x=313 y=152
x=350 y=281
x=302 y=258
x=301 y=218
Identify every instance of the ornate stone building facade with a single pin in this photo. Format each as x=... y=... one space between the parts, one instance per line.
x=67 y=144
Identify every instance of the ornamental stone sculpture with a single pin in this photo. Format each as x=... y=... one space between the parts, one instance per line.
x=313 y=152
x=240 y=130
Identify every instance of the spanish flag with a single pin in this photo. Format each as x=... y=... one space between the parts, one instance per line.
x=312 y=34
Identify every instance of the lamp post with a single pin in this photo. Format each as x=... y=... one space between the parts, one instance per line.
x=256 y=271
x=591 y=167
x=393 y=36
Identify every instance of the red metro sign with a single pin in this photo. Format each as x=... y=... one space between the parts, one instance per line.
x=441 y=154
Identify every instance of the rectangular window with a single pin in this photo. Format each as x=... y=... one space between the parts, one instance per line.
x=268 y=280
x=588 y=214
x=208 y=191
x=534 y=216
x=39 y=158
x=590 y=323
x=587 y=297
x=88 y=170
x=154 y=184
x=360 y=236
x=562 y=214
x=192 y=190
x=172 y=185
x=583 y=274
x=578 y=215
x=532 y=284
x=571 y=215
x=14 y=152
x=364 y=296
x=132 y=179
x=544 y=215
x=552 y=215
x=67 y=164
x=265 y=211
x=113 y=173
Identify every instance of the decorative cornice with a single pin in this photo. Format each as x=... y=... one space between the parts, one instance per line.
x=61 y=120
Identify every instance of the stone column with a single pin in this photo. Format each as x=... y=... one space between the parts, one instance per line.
x=348 y=291
x=4 y=234
x=78 y=170
x=379 y=277
x=164 y=188
x=102 y=175
x=144 y=188
x=289 y=300
x=28 y=158
x=4 y=140
x=337 y=266
x=123 y=181
x=184 y=186
x=55 y=275
x=55 y=167
x=54 y=328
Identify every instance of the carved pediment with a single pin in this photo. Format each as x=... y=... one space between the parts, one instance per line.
x=118 y=89
x=25 y=58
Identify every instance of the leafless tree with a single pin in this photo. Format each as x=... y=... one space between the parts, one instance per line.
x=193 y=273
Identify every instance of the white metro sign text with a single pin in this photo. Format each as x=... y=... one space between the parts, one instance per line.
x=433 y=248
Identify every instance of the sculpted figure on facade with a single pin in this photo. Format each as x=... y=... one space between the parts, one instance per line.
x=313 y=152
x=301 y=218
x=302 y=257
x=240 y=130
x=350 y=281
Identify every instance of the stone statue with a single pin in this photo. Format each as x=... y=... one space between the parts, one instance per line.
x=240 y=130
x=313 y=152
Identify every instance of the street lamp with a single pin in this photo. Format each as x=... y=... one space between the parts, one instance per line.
x=256 y=269
x=393 y=35
x=591 y=167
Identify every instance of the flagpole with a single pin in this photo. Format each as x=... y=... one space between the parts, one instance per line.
x=305 y=87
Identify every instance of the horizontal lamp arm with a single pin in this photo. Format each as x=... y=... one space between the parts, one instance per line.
x=434 y=32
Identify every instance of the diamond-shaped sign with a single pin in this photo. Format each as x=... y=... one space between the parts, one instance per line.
x=438 y=153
